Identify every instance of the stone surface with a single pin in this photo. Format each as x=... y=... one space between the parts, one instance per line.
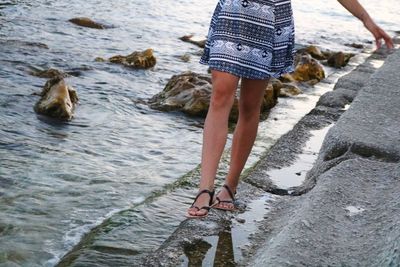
x=323 y=227
x=351 y=204
x=338 y=98
x=371 y=125
x=57 y=100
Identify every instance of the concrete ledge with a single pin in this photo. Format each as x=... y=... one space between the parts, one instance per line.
x=371 y=127
x=350 y=213
x=350 y=218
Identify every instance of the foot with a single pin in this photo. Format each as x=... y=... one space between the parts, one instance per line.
x=201 y=204
x=225 y=200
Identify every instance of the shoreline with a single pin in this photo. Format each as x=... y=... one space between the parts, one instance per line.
x=256 y=182
x=288 y=146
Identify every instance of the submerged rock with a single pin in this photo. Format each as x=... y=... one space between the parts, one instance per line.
x=89 y=23
x=57 y=100
x=138 y=59
x=289 y=89
x=190 y=93
x=287 y=78
x=308 y=69
x=285 y=89
x=189 y=39
x=355 y=45
x=4 y=42
x=315 y=52
x=49 y=73
x=185 y=58
x=339 y=59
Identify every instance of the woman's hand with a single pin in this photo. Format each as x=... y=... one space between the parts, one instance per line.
x=378 y=33
x=355 y=8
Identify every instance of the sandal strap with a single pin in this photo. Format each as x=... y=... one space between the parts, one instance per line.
x=202 y=208
x=210 y=193
x=229 y=192
x=225 y=201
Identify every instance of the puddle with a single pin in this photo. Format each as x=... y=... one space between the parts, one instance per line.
x=294 y=175
x=226 y=249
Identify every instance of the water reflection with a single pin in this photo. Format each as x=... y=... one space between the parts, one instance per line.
x=224 y=255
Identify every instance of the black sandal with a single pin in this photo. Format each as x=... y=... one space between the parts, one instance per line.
x=207 y=208
x=232 y=201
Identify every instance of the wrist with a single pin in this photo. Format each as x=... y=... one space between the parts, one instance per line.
x=365 y=18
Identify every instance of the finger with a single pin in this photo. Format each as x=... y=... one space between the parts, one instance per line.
x=378 y=43
x=389 y=43
x=388 y=40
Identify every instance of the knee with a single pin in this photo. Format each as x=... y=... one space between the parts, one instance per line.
x=249 y=110
x=222 y=97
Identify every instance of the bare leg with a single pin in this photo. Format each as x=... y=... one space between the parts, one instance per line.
x=251 y=97
x=215 y=133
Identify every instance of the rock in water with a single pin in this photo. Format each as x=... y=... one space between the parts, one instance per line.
x=190 y=93
x=57 y=100
x=89 y=23
x=189 y=39
x=308 y=69
x=49 y=73
x=289 y=90
x=139 y=59
x=339 y=59
x=315 y=52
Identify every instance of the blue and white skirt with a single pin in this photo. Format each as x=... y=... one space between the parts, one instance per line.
x=252 y=39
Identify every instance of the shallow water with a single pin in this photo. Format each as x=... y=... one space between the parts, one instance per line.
x=58 y=180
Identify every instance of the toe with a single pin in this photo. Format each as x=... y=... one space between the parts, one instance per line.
x=201 y=212
x=192 y=211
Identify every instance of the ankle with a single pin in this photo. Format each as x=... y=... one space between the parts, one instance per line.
x=232 y=185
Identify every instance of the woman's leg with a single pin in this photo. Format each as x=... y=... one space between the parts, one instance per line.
x=251 y=97
x=215 y=133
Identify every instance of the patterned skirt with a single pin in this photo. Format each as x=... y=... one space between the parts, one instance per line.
x=253 y=39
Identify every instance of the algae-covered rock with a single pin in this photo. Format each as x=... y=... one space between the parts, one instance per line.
x=339 y=59
x=49 y=73
x=287 y=78
x=57 y=100
x=138 y=59
x=289 y=89
x=190 y=93
x=308 y=69
x=89 y=23
x=189 y=39
x=315 y=52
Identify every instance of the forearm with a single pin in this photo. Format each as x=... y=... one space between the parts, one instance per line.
x=355 y=8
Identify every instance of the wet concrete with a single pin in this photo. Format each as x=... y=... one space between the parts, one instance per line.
x=348 y=211
x=212 y=240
